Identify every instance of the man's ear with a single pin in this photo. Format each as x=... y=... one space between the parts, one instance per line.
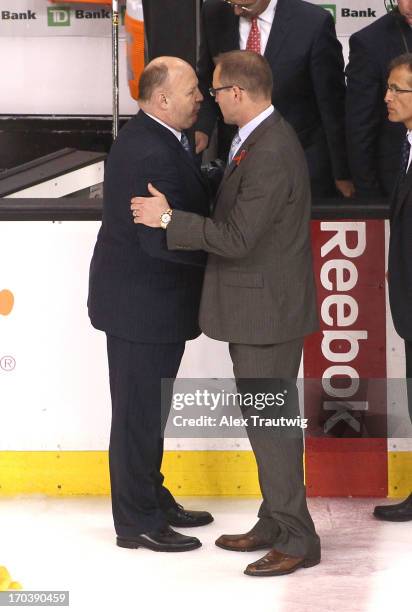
x=162 y=100
x=238 y=92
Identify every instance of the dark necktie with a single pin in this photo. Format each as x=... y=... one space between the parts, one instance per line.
x=185 y=144
x=406 y=147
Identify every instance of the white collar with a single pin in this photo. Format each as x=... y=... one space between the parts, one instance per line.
x=247 y=129
x=269 y=12
x=175 y=132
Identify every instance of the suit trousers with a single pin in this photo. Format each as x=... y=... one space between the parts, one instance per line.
x=283 y=515
x=139 y=497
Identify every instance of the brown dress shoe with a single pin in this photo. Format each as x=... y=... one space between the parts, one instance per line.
x=277 y=564
x=244 y=542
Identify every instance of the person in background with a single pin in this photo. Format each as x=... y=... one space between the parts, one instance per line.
x=374 y=142
x=298 y=39
x=399 y=104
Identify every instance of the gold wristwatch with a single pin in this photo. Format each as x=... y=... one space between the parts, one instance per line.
x=165 y=218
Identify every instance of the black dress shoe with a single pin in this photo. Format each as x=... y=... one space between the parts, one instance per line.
x=179 y=517
x=162 y=540
x=395 y=512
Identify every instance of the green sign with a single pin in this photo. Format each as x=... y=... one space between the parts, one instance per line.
x=331 y=8
x=58 y=16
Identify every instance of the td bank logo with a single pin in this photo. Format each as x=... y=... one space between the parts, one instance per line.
x=331 y=8
x=6 y=302
x=61 y=16
x=58 y=16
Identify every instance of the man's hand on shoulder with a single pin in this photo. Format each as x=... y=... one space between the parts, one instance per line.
x=148 y=210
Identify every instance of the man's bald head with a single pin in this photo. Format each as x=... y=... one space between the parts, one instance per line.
x=158 y=74
x=169 y=91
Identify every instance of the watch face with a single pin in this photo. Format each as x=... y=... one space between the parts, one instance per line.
x=165 y=217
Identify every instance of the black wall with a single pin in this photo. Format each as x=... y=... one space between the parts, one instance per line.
x=25 y=138
x=171 y=28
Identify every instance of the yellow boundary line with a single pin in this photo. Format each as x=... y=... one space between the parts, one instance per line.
x=231 y=473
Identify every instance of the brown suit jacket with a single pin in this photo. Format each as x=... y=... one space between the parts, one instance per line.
x=259 y=286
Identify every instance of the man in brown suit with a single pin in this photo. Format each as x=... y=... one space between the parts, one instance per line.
x=258 y=292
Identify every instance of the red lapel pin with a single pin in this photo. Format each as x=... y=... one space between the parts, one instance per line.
x=240 y=157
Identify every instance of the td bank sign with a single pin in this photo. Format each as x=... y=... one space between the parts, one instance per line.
x=59 y=16
x=367 y=13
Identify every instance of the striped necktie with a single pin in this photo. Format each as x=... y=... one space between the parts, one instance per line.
x=233 y=148
x=184 y=141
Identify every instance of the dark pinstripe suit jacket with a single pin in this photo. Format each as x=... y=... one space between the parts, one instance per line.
x=259 y=286
x=139 y=290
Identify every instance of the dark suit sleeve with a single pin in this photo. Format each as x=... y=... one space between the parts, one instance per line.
x=209 y=109
x=262 y=195
x=363 y=116
x=327 y=73
x=165 y=178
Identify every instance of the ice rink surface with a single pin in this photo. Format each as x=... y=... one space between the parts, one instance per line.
x=69 y=544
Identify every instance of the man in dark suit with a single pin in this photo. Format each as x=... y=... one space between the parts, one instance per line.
x=399 y=102
x=299 y=41
x=374 y=142
x=258 y=293
x=146 y=299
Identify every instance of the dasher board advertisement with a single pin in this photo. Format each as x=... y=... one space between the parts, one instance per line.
x=353 y=15
x=41 y=18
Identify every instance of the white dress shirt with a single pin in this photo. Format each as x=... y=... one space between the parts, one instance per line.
x=264 y=22
x=247 y=129
x=175 y=132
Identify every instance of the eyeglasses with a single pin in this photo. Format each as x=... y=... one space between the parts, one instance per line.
x=395 y=90
x=241 y=6
x=213 y=90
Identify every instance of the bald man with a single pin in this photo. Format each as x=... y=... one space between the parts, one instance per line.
x=146 y=299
